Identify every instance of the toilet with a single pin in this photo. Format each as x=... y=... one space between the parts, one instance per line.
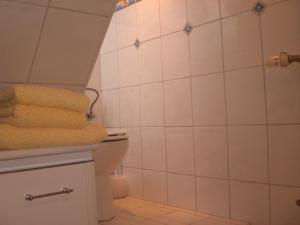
x=108 y=157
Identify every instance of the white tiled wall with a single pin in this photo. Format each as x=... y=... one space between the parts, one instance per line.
x=211 y=128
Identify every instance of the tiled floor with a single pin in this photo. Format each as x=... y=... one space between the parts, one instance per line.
x=131 y=211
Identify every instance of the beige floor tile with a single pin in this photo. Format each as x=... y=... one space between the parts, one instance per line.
x=128 y=204
x=180 y=218
x=131 y=211
x=150 y=211
x=172 y=208
x=123 y=219
x=147 y=222
x=218 y=221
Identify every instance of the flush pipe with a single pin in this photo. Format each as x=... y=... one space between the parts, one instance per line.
x=282 y=60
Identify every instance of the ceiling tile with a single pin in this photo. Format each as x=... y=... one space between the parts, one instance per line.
x=101 y=7
x=20 y=26
x=37 y=2
x=68 y=47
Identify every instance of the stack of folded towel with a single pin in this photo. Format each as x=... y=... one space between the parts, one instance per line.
x=34 y=117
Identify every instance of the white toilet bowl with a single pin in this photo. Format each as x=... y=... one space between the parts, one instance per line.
x=107 y=157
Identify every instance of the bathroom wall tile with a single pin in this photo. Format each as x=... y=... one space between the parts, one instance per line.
x=173 y=15
x=248 y=154
x=148 y=28
x=126 y=26
x=103 y=7
x=149 y=55
x=285 y=154
x=245 y=95
x=283 y=208
x=135 y=181
x=208 y=100
x=111 y=108
x=178 y=103
x=232 y=7
x=280 y=28
x=241 y=41
x=213 y=197
x=281 y=33
x=77 y=49
x=109 y=70
x=283 y=94
x=110 y=42
x=250 y=202
x=18 y=47
x=211 y=152
x=152 y=105
x=153 y=148
x=175 y=65
x=180 y=150
x=181 y=191
x=128 y=67
x=206 y=49
x=95 y=78
x=155 y=186
x=269 y=2
x=202 y=11
x=133 y=157
x=130 y=106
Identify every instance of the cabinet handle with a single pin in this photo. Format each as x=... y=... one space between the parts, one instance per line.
x=29 y=197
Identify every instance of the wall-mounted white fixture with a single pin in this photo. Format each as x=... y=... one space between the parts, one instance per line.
x=282 y=60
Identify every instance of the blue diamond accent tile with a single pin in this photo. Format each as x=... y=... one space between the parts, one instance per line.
x=188 y=28
x=137 y=43
x=259 y=7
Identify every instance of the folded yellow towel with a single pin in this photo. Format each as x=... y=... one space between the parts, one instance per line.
x=6 y=94
x=45 y=96
x=45 y=117
x=7 y=111
x=7 y=104
x=25 y=138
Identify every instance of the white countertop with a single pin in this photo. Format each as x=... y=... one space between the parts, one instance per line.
x=27 y=159
x=36 y=152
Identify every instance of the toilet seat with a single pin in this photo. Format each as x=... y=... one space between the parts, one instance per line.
x=114 y=134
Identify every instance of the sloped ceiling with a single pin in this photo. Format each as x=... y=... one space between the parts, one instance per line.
x=51 y=42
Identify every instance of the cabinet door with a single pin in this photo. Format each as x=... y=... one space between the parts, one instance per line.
x=75 y=208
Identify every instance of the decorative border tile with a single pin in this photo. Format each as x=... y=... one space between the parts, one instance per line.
x=121 y=4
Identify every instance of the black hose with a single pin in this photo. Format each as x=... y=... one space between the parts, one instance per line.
x=91 y=113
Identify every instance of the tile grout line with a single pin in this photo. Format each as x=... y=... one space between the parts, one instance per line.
x=185 y=77
x=193 y=116
x=163 y=98
x=226 y=115
x=207 y=126
x=140 y=99
x=38 y=43
x=267 y=119
x=218 y=178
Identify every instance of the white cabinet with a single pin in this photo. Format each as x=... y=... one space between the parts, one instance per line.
x=75 y=208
